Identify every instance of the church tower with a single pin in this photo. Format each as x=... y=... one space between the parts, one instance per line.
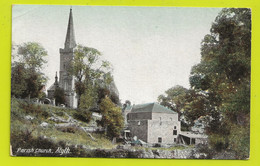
x=66 y=81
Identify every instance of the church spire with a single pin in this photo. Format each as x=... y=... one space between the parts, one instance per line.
x=70 y=37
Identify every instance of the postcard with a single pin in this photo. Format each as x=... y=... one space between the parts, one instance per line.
x=130 y=82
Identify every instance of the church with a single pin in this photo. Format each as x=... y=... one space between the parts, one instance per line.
x=66 y=81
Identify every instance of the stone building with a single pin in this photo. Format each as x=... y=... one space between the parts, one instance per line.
x=53 y=87
x=153 y=123
x=66 y=81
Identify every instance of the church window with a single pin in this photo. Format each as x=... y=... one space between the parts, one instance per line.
x=175 y=127
x=159 y=139
x=174 y=132
x=139 y=123
x=66 y=86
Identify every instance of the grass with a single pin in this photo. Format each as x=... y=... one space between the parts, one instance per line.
x=28 y=133
x=72 y=135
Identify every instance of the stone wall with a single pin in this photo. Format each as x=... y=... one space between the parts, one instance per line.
x=164 y=116
x=149 y=127
x=139 y=129
x=164 y=130
x=139 y=115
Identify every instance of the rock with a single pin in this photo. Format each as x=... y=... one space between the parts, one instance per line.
x=44 y=124
x=182 y=154
x=225 y=155
x=146 y=154
x=28 y=117
x=65 y=125
x=58 y=119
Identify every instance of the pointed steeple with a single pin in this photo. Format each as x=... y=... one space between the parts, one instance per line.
x=70 y=41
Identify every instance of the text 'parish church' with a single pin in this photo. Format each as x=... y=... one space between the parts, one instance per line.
x=66 y=81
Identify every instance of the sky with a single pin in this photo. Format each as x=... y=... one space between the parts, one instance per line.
x=151 y=48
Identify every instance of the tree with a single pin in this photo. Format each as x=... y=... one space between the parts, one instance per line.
x=32 y=55
x=190 y=104
x=89 y=71
x=224 y=73
x=26 y=82
x=59 y=96
x=196 y=105
x=18 y=80
x=174 y=98
x=88 y=100
x=26 y=78
x=112 y=119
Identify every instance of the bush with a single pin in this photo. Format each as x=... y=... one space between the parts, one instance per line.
x=239 y=141
x=218 y=142
x=84 y=116
x=60 y=113
x=69 y=129
x=35 y=110
x=25 y=140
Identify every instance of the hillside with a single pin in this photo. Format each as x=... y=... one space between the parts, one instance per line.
x=48 y=127
x=45 y=130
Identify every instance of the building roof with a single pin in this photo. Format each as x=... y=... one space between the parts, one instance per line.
x=52 y=87
x=152 y=107
x=192 y=135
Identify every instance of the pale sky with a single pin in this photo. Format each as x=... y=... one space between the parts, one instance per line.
x=151 y=48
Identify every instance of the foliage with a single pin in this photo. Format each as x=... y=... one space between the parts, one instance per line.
x=35 y=110
x=224 y=73
x=89 y=71
x=18 y=81
x=27 y=133
x=59 y=96
x=105 y=91
x=239 y=140
x=196 y=105
x=112 y=119
x=32 y=55
x=26 y=78
x=191 y=104
x=174 y=98
x=68 y=129
x=88 y=99
x=83 y=115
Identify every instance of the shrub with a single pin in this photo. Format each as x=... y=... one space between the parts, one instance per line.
x=25 y=140
x=35 y=110
x=84 y=116
x=60 y=113
x=69 y=129
x=218 y=142
x=239 y=141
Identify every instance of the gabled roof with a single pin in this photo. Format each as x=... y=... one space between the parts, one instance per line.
x=192 y=135
x=52 y=87
x=152 y=107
